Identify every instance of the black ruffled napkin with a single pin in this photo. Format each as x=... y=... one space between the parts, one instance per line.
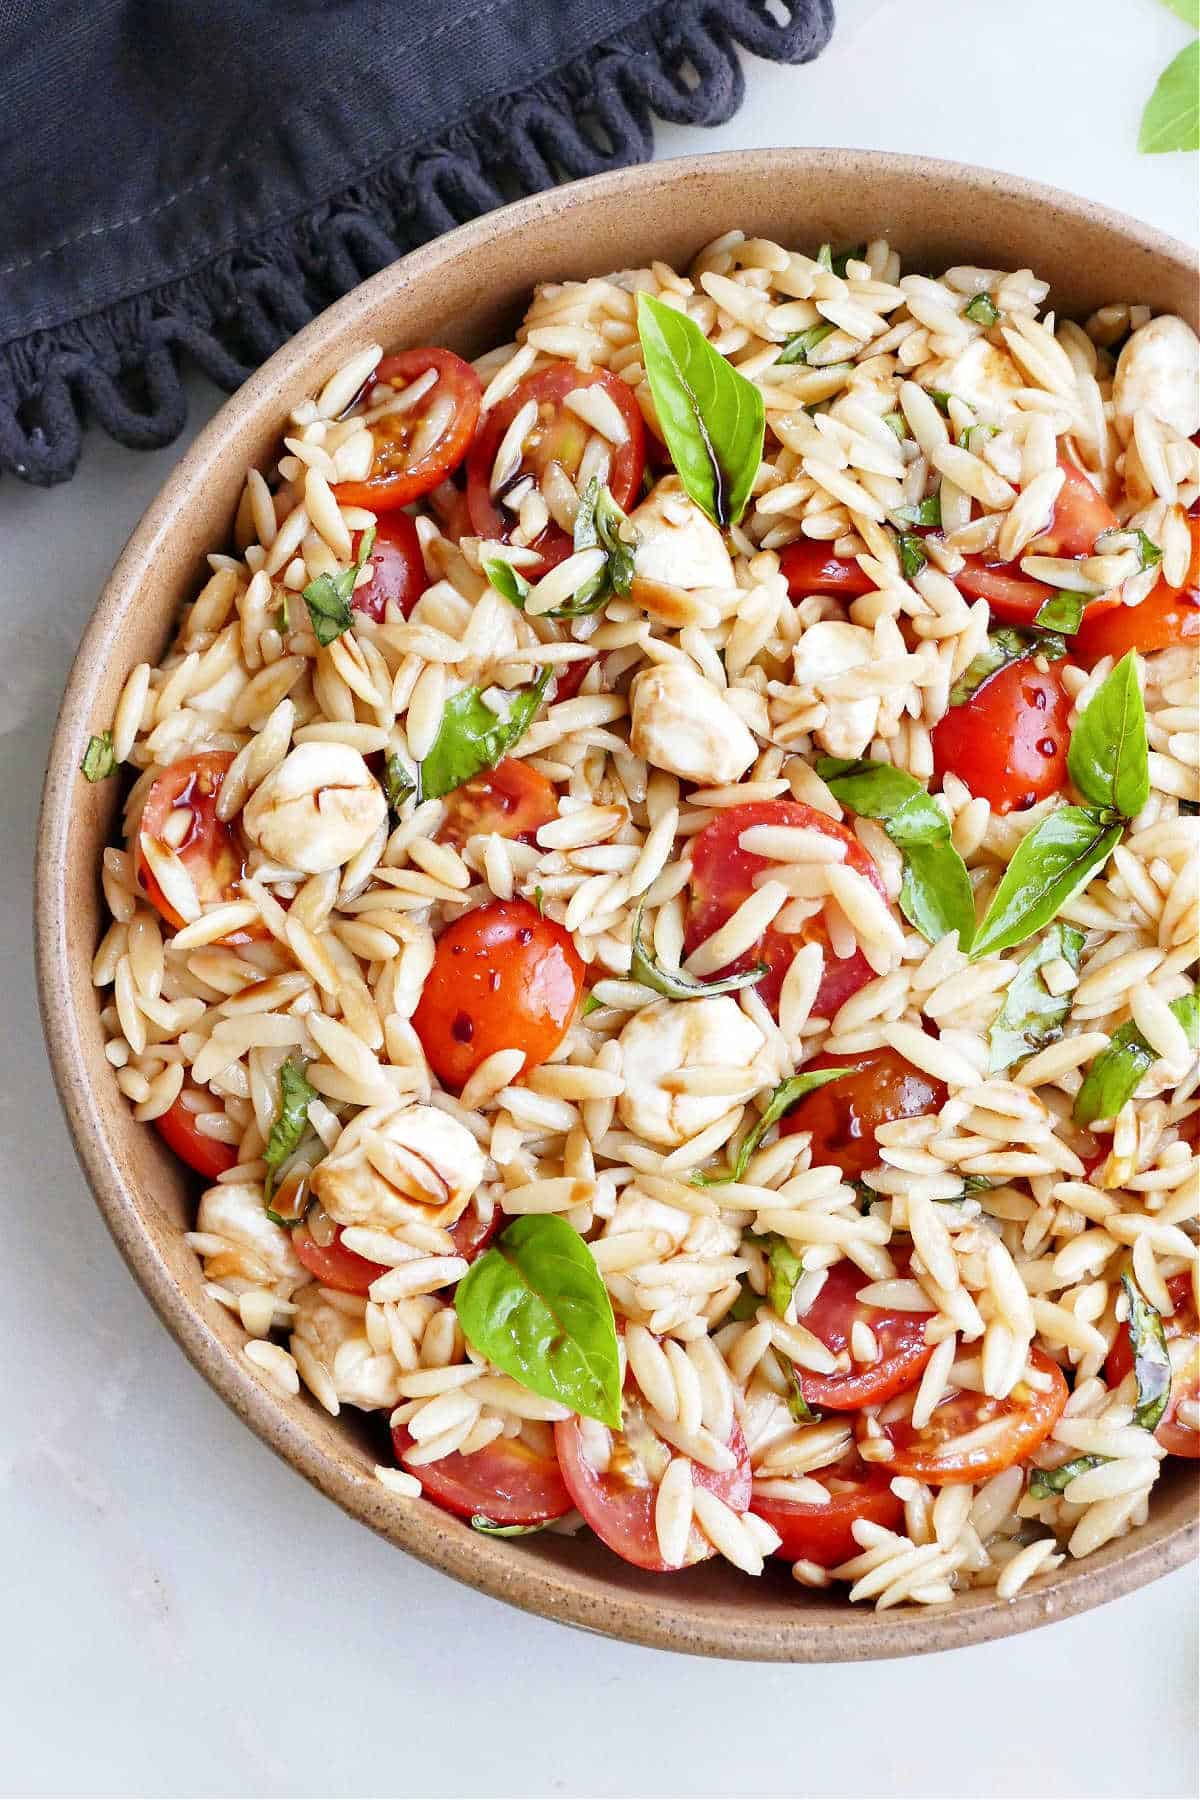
x=199 y=177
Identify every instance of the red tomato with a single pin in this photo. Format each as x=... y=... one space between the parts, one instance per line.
x=503 y=978
x=1008 y=742
x=507 y=1481
x=1009 y=1431
x=844 y=1115
x=723 y=876
x=211 y=850
x=472 y=1235
x=558 y=436
x=1164 y=618
x=399 y=569
x=399 y=473
x=1013 y=598
x=511 y=799
x=618 y=1500
x=1182 y=1331
x=333 y=1265
x=1080 y=514
x=810 y=567
x=208 y=1156
x=900 y=1336
x=570 y=678
x=822 y=1534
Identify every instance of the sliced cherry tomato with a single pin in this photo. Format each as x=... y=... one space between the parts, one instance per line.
x=399 y=569
x=616 y=1491
x=844 y=1115
x=972 y=1436
x=900 y=1336
x=810 y=567
x=1182 y=1331
x=511 y=799
x=1166 y=617
x=823 y=1534
x=560 y=436
x=208 y=1156
x=1013 y=598
x=1008 y=742
x=503 y=978
x=508 y=1481
x=1080 y=514
x=401 y=472
x=210 y=849
x=472 y=1235
x=570 y=678
x=723 y=876
x=333 y=1265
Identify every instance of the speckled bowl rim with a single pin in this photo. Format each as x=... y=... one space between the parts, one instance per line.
x=608 y=1598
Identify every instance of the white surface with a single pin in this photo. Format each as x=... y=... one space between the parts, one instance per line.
x=179 y=1613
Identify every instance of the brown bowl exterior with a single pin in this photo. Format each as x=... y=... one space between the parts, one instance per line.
x=467 y=290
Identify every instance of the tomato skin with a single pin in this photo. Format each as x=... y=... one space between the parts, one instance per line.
x=395 y=480
x=562 y=438
x=212 y=852
x=823 y=1534
x=399 y=569
x=571 y=677
x=511 y=799
x=810 y=567
x=903 y=1351
x=1030 y=1417
x=507 y=1481
x=844 y=1115
x=503 y=978
x=620 y=1510
x=1166 y=617
x=333 y=1265
x=723 y=876
x=1009 y=741
x=1174 y=1437
x=207 y=1156
x=1013 y=598
x=1081 y=514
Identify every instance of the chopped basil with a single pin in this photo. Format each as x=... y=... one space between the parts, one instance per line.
x=1063 y=612
x=926 y=512
x=535 y=1305
x=797 y=1405
x=598 y=524
x=977 y=433
x=677 y=984
x=941 y=399
x=797 y=348
x=1149 y=554
x=472 y=737
x=912 y=555
x=936 y=894
x=1114 y=1076
x=1043 y=1483
x=856 y=254
x=506 y=580
x=591 y=1005
x=539 y=900
x=1008 y=645
x=712 y=418
x=1031 y=1016
x=1151 y=1358
x=783 y=1098
x=328 y=597
x=897 y=423
x=480 y=1522
x=98 y=759
x=982 y=311
x=288 y=1128
x=746 y=1304
x=1059 y=856
x=784 y=1269
x=1107 y=759
x=398 y=783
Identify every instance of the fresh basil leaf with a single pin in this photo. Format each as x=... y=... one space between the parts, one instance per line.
x=539 y=900
x=896 y=423
x=480 y=1522
x=398 y=783
x=1044 y=1483
x=712 y=418
x=598 y=523
x=1051 y=864
x=977 y=434
x=973 y=1184
x=288 y=1127
x=927 y=512
x=783 y=1098
x=1171 y=120
x=936 y=894
x=591 y=1005
x=1008 y=645
x=982 y=311
x=797 y=1405
x=472 y=737
x=506 y=580
x=913 y=556
x=1107 y=759
x=784 y=1269
x=677 y=984
x=746 y=1305
x=99 y=761
x=1063 y=612
x=1149 y=554
x=797 y=348
x=1114 y=1075
x=1188 y=11
x=1031 y=1016
x=857 y=254
x=328 y=597
x=535 y=1305
x=1151 y=1358
x=941 y=399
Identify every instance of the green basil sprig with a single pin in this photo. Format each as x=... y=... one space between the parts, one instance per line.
x=712 y=418
x=535 y=1305
x=1043 y=1483
x=797 y=348
x=1113 y=1077
x=936 y=894
x=783 y=1098
x=472 y=738
x=1031 y=1016
x=1107 y=759
x=328 y=597
x=288 y=1127
x=99 y=761
x=1151 y=1358
x=677 y=984
x=597 y=526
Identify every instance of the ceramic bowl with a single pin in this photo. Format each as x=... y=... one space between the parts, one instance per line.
x=468 y=290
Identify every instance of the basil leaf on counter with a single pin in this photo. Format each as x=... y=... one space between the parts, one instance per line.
x=926 y=512
x=1171 y=120
x=328 y=597
x=480 y=1522
x=982 y=311
x=1114 y=1076
x=98 y=759
x=535 y=1305
x=1043 y=1483
x=398 y=783
x=288 y=1127
x=1062 y=613
x=1031 y=1016
x=712 y=418
x=913 y=555
x=797 y=348
x=1107 y=758
x=677 y=984
x=1151 y=1358
x=472 y=737
x=783 y=1098
x=1058 y=857
x=936 y=894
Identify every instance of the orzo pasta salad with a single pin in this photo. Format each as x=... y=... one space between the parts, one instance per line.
x=659 y=896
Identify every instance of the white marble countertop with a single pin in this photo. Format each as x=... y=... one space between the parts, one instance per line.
x=182 y=1615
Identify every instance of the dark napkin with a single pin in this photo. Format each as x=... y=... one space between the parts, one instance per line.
x=198 y=178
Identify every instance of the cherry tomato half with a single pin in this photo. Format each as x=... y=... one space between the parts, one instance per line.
x=618 y=1498
x=1080 y=514
x=508 y=1481
x=210 y=849
x=208 y=1156
x=900 y=1336
x=571 y=676
x=404 y=469
x=810 y=567
x=972 y=1436
x=335 y=1266
x=1166 y=617
x=511 y=799
x=398 y=569
x=844 y=1115
x=723 y=876
x=1008 y=742
x=823 y=1534
x=559 y=435
x=1182 y=1332
x=503 y=978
